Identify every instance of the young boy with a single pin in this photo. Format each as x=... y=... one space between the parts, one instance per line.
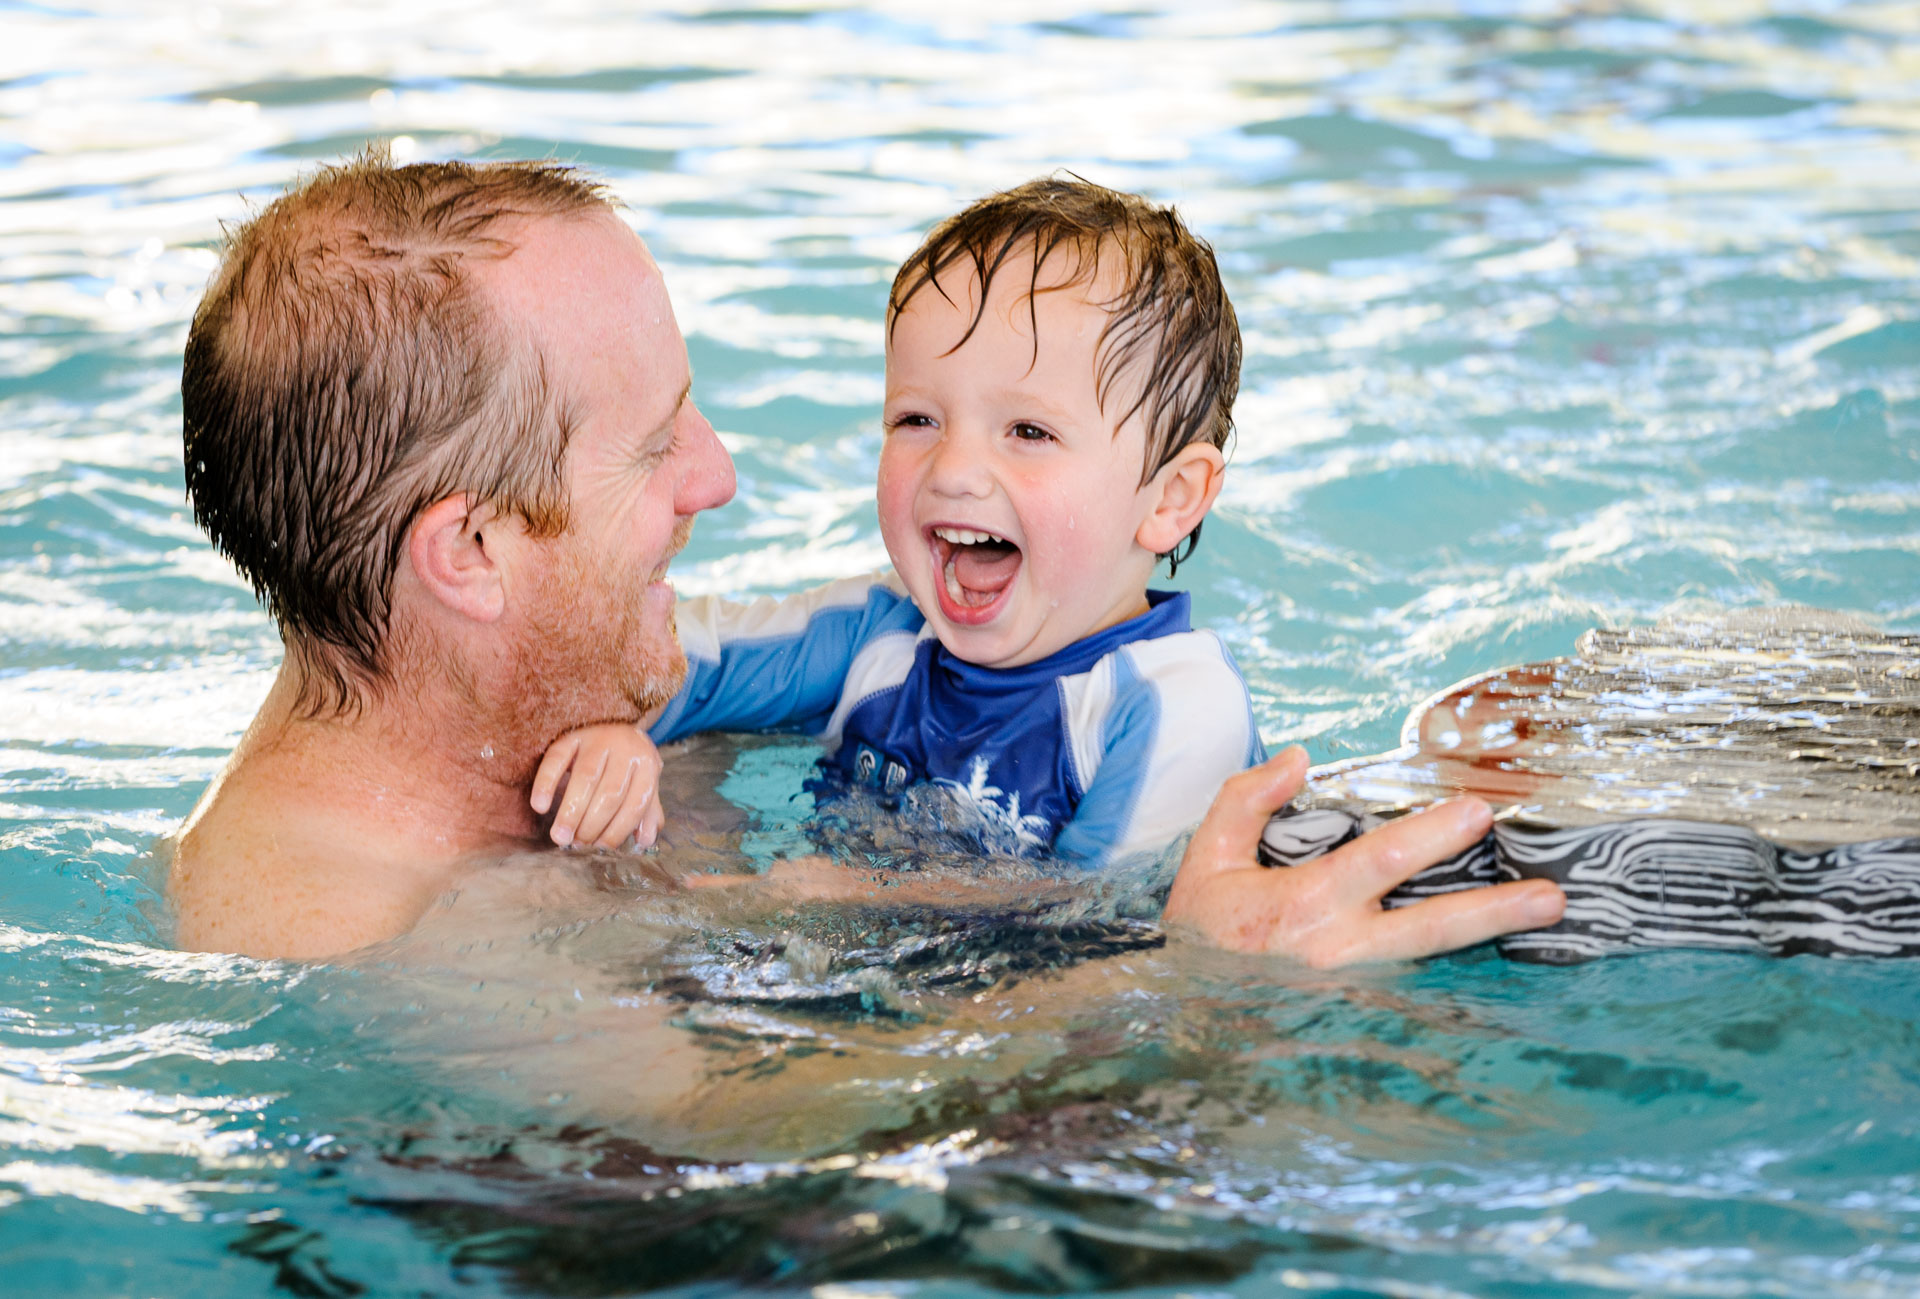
x=1061 y=367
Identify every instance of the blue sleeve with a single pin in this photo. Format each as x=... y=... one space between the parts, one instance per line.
x=776 y=664
x=1164 y=724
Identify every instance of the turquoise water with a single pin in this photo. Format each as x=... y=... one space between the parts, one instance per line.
x=1557 y=314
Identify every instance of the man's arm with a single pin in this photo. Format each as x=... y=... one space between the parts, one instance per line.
x=1328 y=912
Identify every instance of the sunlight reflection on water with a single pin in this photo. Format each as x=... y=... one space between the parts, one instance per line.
x=1556 y=314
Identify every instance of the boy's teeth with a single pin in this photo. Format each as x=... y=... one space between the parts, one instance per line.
x=953 y=585
x=962 y=536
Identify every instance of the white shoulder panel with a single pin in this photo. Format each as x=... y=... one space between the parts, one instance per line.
x=1086 y=698
x=880 y=665
x=1205 y=732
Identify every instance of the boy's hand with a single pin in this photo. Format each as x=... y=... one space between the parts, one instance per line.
x=612 y=775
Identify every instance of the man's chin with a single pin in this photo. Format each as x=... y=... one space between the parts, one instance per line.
x=655 y=689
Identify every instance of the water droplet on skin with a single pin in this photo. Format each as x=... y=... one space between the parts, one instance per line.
x=486 y=751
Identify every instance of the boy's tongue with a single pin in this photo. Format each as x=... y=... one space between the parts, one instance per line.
x=980 y=572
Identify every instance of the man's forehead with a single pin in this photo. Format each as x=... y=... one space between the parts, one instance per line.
x=587 y=294
x=591 y=302
x=550 y=257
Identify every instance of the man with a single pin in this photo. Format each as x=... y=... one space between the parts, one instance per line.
x=440 y=417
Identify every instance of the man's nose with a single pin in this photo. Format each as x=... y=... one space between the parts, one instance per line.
x=706 y=477
x=959 y=466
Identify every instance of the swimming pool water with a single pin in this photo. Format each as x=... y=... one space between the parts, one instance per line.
x=1556 y=314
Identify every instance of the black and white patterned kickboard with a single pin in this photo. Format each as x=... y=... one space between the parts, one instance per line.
x=1646 y=884
x=1781 y=749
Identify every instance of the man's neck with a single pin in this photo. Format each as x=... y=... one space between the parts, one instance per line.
x=419 y=767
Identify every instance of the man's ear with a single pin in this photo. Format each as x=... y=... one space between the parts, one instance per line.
x=1185 y=489
x=448 y=546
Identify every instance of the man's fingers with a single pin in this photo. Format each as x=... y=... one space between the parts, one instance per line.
x=552 y=767
x=1376 y=863
x=1227 y=837
x=723 y=881
x=1457 y=920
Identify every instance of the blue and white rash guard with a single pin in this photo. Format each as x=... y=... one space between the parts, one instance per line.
x=1109 y=748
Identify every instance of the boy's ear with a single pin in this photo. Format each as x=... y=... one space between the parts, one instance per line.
x=452 y=547
x=1186 y=487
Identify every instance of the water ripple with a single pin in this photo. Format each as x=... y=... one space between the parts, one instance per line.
x=1555 y=314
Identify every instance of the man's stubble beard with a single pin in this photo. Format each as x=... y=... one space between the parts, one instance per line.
x=585 y=652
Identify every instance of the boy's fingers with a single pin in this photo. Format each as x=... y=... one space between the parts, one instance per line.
x=582 y=781
x=552 y=767
x=609 y=795
x=630 y=818
x=1457 y=920
x=650 y=823
x=643 y=777
x=1227 y=837
x=624 y=825
x=1379 y=861
x=639 y=817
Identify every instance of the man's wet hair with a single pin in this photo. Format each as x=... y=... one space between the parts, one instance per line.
x=1170 y=320
x=344 y=372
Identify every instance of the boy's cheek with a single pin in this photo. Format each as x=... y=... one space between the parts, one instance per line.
x=898 y=534
x=886 y=490
x=896 y=516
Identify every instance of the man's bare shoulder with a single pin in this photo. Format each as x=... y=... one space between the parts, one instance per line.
x=262 y=878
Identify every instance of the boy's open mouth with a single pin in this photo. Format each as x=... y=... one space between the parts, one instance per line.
x=974 y=569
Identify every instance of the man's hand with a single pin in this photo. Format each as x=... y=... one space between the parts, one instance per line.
x=1328 y=911
x=612 y=774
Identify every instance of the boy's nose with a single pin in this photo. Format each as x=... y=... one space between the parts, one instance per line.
x=958 y=468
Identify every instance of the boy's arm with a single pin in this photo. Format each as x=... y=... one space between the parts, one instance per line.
x=776 y=664
x=1162 y=726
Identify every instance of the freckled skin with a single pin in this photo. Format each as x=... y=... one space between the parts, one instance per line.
x=325 y=835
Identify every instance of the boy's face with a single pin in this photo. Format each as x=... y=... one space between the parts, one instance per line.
x=1009 y=502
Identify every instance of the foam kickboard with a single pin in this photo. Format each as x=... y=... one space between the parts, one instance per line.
x=1742 y=783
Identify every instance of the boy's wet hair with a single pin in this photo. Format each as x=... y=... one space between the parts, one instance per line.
x=1171 y=313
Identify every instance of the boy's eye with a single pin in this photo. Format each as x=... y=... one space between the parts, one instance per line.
x=1031 y=433
x=906 y=421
